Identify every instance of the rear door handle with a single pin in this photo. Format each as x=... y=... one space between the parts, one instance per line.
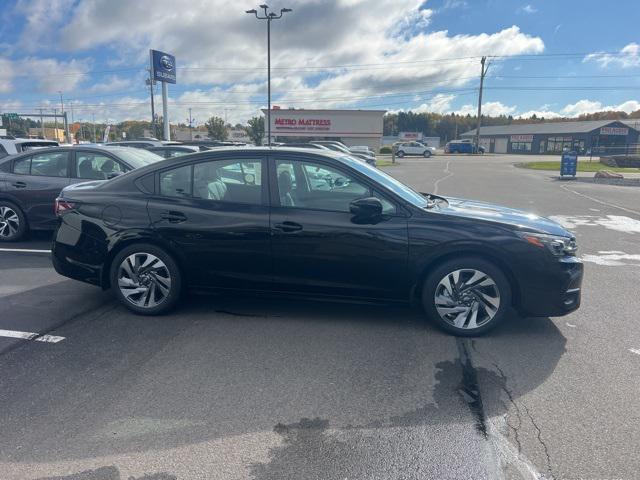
x=20 y=185
x=288 y=227
x=173 y=217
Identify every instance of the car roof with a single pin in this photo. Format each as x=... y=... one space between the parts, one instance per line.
x=75 y=148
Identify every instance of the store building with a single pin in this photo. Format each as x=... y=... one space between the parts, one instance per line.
x=351 y=127
x=602 y=136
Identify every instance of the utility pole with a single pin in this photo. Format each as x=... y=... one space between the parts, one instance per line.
x=64 y=122
x=483 y=72
x=42 y=124
x=268 y=17
x=165 y=112
x=93 y=126
x=55 y=124
x=190 y=126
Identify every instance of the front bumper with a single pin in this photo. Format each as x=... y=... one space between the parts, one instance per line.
x=557 y=292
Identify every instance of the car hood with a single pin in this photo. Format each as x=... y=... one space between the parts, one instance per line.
x=519 y=219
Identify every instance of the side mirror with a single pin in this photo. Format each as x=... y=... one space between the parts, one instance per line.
x=369 y=207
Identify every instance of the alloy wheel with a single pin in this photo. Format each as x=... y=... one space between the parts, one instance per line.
x=144 y=280
x=467 y=298
x=9 y=222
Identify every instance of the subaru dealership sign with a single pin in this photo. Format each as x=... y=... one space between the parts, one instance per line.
x=163 y=66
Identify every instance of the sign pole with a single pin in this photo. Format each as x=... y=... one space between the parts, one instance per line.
x=165 y=117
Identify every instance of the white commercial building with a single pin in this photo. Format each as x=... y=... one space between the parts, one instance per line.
x=351 y=127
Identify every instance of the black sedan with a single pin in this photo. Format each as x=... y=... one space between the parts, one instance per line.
x=316 y=224
x=30 y=182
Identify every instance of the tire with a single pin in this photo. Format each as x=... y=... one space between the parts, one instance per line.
x=486 y=304
x=399 y=154
x=13 y=223
x=455 y=151
x=159 y=288
x=426 y=154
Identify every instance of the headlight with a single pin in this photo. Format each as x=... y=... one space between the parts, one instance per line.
x=556 y=244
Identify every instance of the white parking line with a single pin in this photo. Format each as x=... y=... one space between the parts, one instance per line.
x=635 y=350
x=30 y=336
x=24 y=250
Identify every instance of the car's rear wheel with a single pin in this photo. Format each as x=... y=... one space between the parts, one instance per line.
x=146 y=279
x=13 y=224
x=400 y=154
x=426 y=154
x=467 y=296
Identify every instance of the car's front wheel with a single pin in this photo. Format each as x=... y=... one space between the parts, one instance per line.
x=400 y=154
x=13 y=224
x=467 y=296
x=146 y=279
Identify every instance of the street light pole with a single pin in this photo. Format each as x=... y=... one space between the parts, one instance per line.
x=268 y=17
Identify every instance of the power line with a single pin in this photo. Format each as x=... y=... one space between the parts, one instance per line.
x=523 y=56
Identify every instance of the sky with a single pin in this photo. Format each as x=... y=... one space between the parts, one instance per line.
x=548 y=57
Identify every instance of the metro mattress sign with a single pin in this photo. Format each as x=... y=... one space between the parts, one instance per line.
x=306 y=124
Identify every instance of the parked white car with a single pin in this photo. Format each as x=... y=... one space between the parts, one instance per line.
x=414 y=148
x=362 y=149
x=11 y=146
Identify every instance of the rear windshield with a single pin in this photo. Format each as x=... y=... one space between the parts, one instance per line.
x=26 y=146
x=136 y=157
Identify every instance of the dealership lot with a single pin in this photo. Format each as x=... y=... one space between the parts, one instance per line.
x=277 y=388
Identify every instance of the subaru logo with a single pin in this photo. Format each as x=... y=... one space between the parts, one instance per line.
x=166 y=62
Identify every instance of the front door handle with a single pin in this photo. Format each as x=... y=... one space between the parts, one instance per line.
x=20 y=185
x=173 y=217
x=288 y=227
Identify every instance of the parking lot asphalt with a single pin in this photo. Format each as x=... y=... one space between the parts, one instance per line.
x=265 y=388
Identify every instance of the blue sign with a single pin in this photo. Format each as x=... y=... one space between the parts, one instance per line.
x=163 y=66
x=568 y=164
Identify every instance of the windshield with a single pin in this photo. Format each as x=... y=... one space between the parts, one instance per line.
x=136 y=157
x=388 y=181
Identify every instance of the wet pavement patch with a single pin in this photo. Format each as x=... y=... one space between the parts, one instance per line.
x=469 y=388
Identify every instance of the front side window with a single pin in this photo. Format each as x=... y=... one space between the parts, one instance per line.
x=52 y=164
x=96 y=166
x=315 y=186
x=236 y=181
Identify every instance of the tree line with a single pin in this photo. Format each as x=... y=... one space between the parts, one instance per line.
x=451 y=126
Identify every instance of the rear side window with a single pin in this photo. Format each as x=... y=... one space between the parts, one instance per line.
x=22 y=166
x=52 y=164
x=176 y=182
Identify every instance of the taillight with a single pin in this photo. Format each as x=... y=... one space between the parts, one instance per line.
x=63 y=206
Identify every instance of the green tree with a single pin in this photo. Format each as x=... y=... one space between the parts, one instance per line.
x=255 y=129
x=217 y=128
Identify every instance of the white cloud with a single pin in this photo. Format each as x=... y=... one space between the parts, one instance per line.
x=111 y=84
x=582 y=107
x=589 y=106
x=542 y=113
x=49 y=74
x=627 y=57
x=488 y=108
x=43 y=18
x=529 y=9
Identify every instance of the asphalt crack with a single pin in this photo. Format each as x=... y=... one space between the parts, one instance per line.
x=544 y=445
